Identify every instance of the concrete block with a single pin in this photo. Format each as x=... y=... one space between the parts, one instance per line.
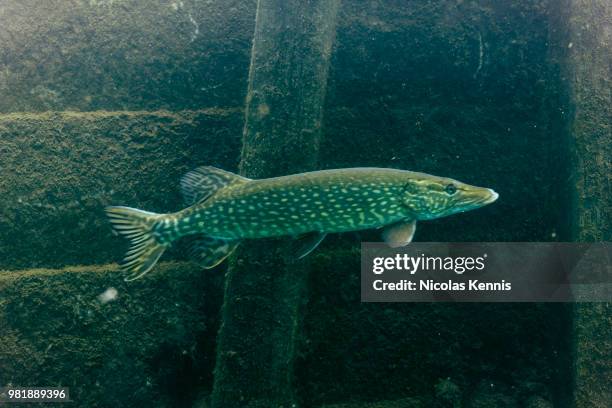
x=61 y=169
x=149 y=345
x=457 y=89
x=131 y=54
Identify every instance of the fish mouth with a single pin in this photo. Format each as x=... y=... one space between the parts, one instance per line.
x=482 y=196
x=491 y=197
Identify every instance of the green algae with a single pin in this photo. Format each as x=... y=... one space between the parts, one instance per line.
x=124 y=55
x=266 y=289
x=149 y=347
x=406 y=90
x=408 y=349
x=65 y=167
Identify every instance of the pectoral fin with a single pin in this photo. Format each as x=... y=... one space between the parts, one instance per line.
x=399 y=234
x=307 y=243
x=209 y=252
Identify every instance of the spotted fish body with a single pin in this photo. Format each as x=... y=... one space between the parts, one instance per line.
x=325 y=201
x=226 y=208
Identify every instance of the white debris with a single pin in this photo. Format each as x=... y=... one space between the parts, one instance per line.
x=108 y=295
x=196 y=27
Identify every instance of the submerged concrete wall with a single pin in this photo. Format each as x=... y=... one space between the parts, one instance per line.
x=61 y=169
x=589 y=74
x=123 y=54
x=459 y=89
x=141 y=91
x=108 y=102
x=148 y=345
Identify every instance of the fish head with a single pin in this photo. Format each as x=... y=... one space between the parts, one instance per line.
x=428 y=197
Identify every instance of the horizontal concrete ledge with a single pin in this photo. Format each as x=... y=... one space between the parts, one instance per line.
x=401 y=403
x=149 y=341
x=102 y=114
x=11 y=275
x=111 y=269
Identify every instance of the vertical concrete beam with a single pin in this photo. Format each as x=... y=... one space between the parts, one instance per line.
x=589 y=71
x=265 y=288
x=590 y=76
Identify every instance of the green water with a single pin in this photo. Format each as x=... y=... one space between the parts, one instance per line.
x=111 y=102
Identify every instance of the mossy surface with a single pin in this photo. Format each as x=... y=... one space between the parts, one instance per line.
x=61 y=169
x=266 y=288
x=130 y=54
x=588 y=69
x=402 y=403
x=365 y=352
x=454 y=88
x=458 y=89
x=589 y=74
x=151 y=346
x=593 y=346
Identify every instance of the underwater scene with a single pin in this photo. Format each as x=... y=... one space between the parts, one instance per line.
x=186 y=186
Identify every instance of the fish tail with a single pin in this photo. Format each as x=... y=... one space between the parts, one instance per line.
x=138 y=227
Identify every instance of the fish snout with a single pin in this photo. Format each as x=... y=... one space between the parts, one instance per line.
x=492 y=196
x=475 y=197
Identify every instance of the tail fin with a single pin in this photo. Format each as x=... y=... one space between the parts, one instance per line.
x=137 y=226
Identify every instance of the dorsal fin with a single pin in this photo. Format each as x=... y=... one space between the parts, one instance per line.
x=203 y=182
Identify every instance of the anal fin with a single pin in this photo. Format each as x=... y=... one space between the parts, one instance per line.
x=209 y=252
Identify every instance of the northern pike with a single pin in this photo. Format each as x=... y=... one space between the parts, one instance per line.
x=225 y=208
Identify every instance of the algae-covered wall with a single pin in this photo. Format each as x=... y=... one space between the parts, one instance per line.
x=110 y=101
x=111 y=343
x=61 y=169
x=459 y=89
x=131 y=94
x=123 y=54
x=589 y=72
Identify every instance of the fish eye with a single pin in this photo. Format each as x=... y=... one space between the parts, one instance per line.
x=450 y=189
